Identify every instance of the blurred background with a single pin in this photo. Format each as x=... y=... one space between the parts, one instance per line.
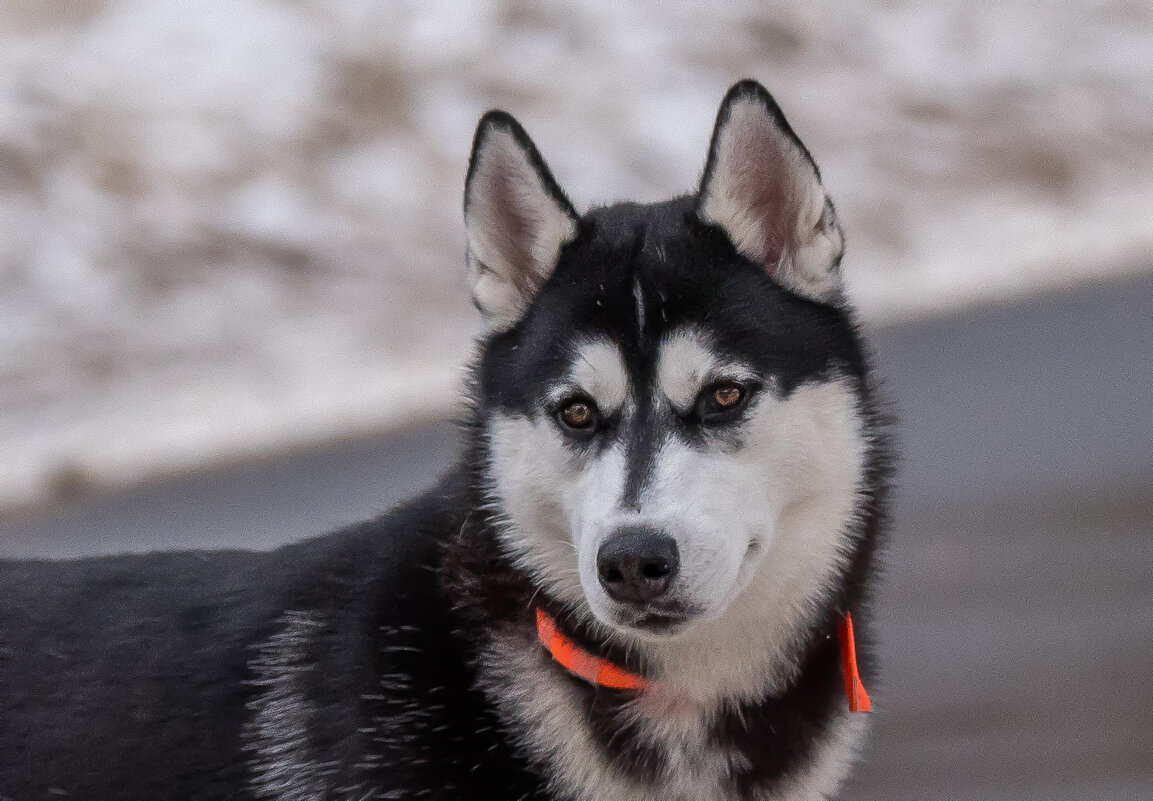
x=231 y=307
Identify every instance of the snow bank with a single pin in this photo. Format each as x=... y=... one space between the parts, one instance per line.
x=229 y=227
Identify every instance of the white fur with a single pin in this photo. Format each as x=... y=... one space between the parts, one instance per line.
x=792 y=488
x=792 y=485
x=520 y=679
x=751 y=155
x=284 y=764
x=532 y=476
x=541 y=486
x=555 y=732
x=831 y=762
x=507 y=203
x=599 y=372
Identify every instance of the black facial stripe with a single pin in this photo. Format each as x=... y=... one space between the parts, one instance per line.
x=644 y=435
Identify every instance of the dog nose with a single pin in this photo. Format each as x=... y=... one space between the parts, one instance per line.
x=637 y=565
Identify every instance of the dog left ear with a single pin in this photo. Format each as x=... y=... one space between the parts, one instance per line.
x=763 y=189
x=516 y=217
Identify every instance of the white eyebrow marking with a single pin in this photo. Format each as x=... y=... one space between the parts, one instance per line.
x=686 y=364
x=599 y=370
x=639 y=297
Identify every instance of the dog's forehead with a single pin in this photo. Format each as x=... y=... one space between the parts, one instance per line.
x=636 y=271
x=640 y=275
x=636 y=278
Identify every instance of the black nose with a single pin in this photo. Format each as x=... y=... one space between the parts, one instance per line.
x=637 y=565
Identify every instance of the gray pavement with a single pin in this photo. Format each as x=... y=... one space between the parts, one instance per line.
x=1016 y=615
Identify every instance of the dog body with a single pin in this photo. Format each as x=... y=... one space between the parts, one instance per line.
x=673 y=454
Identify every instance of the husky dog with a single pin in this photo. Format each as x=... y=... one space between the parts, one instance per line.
x=639 y=582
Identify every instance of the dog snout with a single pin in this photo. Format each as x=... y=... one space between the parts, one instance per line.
x=637 y=565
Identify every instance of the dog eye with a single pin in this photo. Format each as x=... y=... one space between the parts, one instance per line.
x=719 y=400
x=579 y=415
x=726 y=396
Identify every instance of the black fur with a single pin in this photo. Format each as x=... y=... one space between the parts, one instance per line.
x=159 y=677
x=133 y=678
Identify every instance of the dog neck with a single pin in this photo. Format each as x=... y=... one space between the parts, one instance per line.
x=595 y=741
x=688 y=734
x=757 y=649
x=602 y=672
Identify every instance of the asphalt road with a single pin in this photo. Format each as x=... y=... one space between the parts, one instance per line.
x=1016 y=616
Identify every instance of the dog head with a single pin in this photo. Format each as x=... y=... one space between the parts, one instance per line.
x=670 y=392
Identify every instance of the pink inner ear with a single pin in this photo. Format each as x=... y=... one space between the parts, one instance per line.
x=511 y=224
x=761 y=182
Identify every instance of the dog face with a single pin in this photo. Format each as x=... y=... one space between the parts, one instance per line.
x=670 y=391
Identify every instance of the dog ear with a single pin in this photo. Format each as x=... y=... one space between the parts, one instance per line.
x=516 y=217
x=763 y=189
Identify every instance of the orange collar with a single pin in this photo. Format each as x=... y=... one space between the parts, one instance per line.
x=601 y=672
x=579 y=662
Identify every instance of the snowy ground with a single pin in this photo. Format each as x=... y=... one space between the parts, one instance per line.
x=229 y=227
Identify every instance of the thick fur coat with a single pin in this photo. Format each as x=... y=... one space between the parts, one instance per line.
x=685 y=376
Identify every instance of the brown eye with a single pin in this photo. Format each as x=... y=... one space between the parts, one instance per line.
x=578 y=414
x=727 y=396
x=720 y=402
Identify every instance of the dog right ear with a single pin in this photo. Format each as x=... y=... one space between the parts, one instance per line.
x=516 y=218
x=762 y=188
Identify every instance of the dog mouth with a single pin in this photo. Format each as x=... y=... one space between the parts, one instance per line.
x=661 y=622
